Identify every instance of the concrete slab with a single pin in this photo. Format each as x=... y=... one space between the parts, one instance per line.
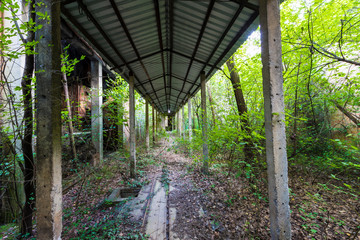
x=156 y=222
x=135 y=207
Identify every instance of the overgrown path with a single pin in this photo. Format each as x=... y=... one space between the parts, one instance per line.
x=225 y=206
x=177 y=201
x=176 y=210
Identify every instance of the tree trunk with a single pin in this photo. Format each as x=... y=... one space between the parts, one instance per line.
x=211 y=101
x=26 y=141
x=242 y=109
x=294 y=136
x=68 y=106
x=353 y=118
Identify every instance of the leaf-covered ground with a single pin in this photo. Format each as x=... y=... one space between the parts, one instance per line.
x=215 y=206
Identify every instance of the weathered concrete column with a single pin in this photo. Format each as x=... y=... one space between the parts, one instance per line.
x=48 y=122
x=156 y=123
x=178 y=123
x=132 y=126
x=190 y=123
x=183 y=121
x=153 y=125
x=147 y=138
x=204 y=124
x=96 y=110
x=274 y=120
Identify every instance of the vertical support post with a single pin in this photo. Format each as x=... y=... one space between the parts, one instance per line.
x=178 y=123
x=121 y=125
x=183 y=121
x=48 y=122
x=275 y=120
x=156 y=123
x=96 y=110
x=204 y=124
x=147 y=137
x=153 y=125
x=132 y=126
x=190 y=123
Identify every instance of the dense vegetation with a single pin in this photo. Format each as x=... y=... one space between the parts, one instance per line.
x=321 y=82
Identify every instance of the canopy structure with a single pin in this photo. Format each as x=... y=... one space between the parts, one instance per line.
x=166 y=44
x=165 y=49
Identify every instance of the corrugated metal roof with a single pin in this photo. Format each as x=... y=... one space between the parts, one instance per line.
x=165 y=43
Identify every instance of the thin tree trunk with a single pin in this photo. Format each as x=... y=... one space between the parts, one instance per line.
x=26 y=141
x=71 y=129
x=294 y=137
x=353 y=118
x=242 y=109
x=120 y=111
x=211 y=101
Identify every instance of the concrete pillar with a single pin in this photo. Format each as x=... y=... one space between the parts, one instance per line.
x=132 y=126
x=183 y=122
x=139 y=135
x=48 y=122
x=190 y=122
x=178 y=123
x=156 y=122
x=204 y=124
x=147 y=137
x=274 y=120
x=96 y=110
x=153 y=125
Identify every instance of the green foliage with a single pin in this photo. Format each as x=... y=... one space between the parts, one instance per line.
x=67 y=64
x=317 y=82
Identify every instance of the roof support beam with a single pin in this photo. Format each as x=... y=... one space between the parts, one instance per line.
x=170 y=17
x=196 y=60
x=123 y=24
x=235 y=39
x=219 y=42
x=72 y=20
x=246 y=4
x=102 y=32
x=158 y=24
x=156 y=78
x=202 y=30
x=136 y=60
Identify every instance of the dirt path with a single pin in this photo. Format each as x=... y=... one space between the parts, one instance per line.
x=182 y=205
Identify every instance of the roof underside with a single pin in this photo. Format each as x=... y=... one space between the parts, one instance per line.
x=165 y=43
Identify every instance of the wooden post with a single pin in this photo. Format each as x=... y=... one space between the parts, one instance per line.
x=48 y=121
x=96 y=110
x=274 y=120
x=204 y=124
x=147 y=137
x=132 y=126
